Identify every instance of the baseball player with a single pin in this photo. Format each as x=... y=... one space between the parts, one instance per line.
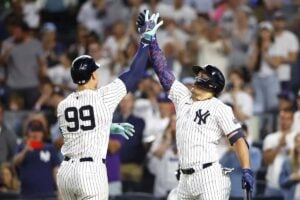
x=201 y=121
x=85 y=117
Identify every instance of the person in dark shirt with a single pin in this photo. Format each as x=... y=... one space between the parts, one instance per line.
x=132 y=151
x=37 y=163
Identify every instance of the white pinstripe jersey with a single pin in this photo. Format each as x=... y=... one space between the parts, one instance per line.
x=199 y=126
x=85 y=118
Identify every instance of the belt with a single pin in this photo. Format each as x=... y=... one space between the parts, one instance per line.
x=192 y=170
x=86 y=159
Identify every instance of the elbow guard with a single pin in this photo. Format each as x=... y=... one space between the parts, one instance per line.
x=238 y=135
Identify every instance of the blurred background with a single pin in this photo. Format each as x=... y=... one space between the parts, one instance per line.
x=255 y=43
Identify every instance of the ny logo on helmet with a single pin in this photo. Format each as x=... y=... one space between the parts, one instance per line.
x=200 y=117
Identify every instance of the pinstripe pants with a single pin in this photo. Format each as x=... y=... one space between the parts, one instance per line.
x=207 y=184
x=82 y=180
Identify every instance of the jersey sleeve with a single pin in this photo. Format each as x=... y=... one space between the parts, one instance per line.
x=226 y=120
x=178 y=93
x=113 y=93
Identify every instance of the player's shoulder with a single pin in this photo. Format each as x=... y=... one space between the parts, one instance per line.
x=220 y=103
x=118 y=83
x=64 y=102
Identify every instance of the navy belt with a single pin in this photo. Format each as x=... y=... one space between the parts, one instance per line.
x=86 y=159
x=192 y=170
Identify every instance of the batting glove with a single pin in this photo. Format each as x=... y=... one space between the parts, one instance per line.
x=148 y=26
x=247 y=179
x=123 y=129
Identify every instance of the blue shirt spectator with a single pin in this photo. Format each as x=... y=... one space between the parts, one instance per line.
x=36 y=171
x=289 y=178
x=133 y=150
x=37 y=163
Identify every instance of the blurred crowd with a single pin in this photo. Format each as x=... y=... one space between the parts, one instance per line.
x=255 y=43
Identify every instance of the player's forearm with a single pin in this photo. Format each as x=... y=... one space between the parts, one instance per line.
x=160 y=66
x=242 y=153
x=137 y=67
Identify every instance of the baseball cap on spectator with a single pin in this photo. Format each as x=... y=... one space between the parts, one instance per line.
x=49 y=27
x=286 y=95
x=266 y=25
x=162 y=97
x=35 y=125
x=278 y=15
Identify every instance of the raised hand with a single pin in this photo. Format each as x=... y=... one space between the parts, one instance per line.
x=123 y=129
x=148 y=26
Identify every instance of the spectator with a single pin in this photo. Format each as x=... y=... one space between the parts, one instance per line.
x=182 y=14
x=231 y=161
x=91 y=16
x=165 y=150
x=288 y=45
x=78 y=48
x=132 y=151
x=296 y=121
x=9 y=180
x=290 y=176
x=118 y=41
x=263 y=60
x=241 y=102
x=8 y=140
x=286 y=100
x=158 y=123
x=37 y=163
x=241 y=35
x=113 y=165
x=275 y=149
x=203 y=7
x=98 y=54
x=23 y=55
x=60 y=76
x=52 y=48
x=213 y=48
x=171 y=53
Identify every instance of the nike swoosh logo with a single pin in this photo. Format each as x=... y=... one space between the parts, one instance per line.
x=144 y=44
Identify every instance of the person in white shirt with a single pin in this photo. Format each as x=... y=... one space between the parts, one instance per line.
x=165 y=150
x=213 y=48
x=288 y=45
x=241 y=102
x=96 y=51
x=275 y=149
x=263 y=60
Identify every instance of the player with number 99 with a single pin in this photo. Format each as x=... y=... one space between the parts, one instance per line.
x=85 y=117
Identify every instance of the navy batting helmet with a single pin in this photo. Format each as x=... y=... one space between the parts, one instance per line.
x=82 y=69
x=216 y=81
